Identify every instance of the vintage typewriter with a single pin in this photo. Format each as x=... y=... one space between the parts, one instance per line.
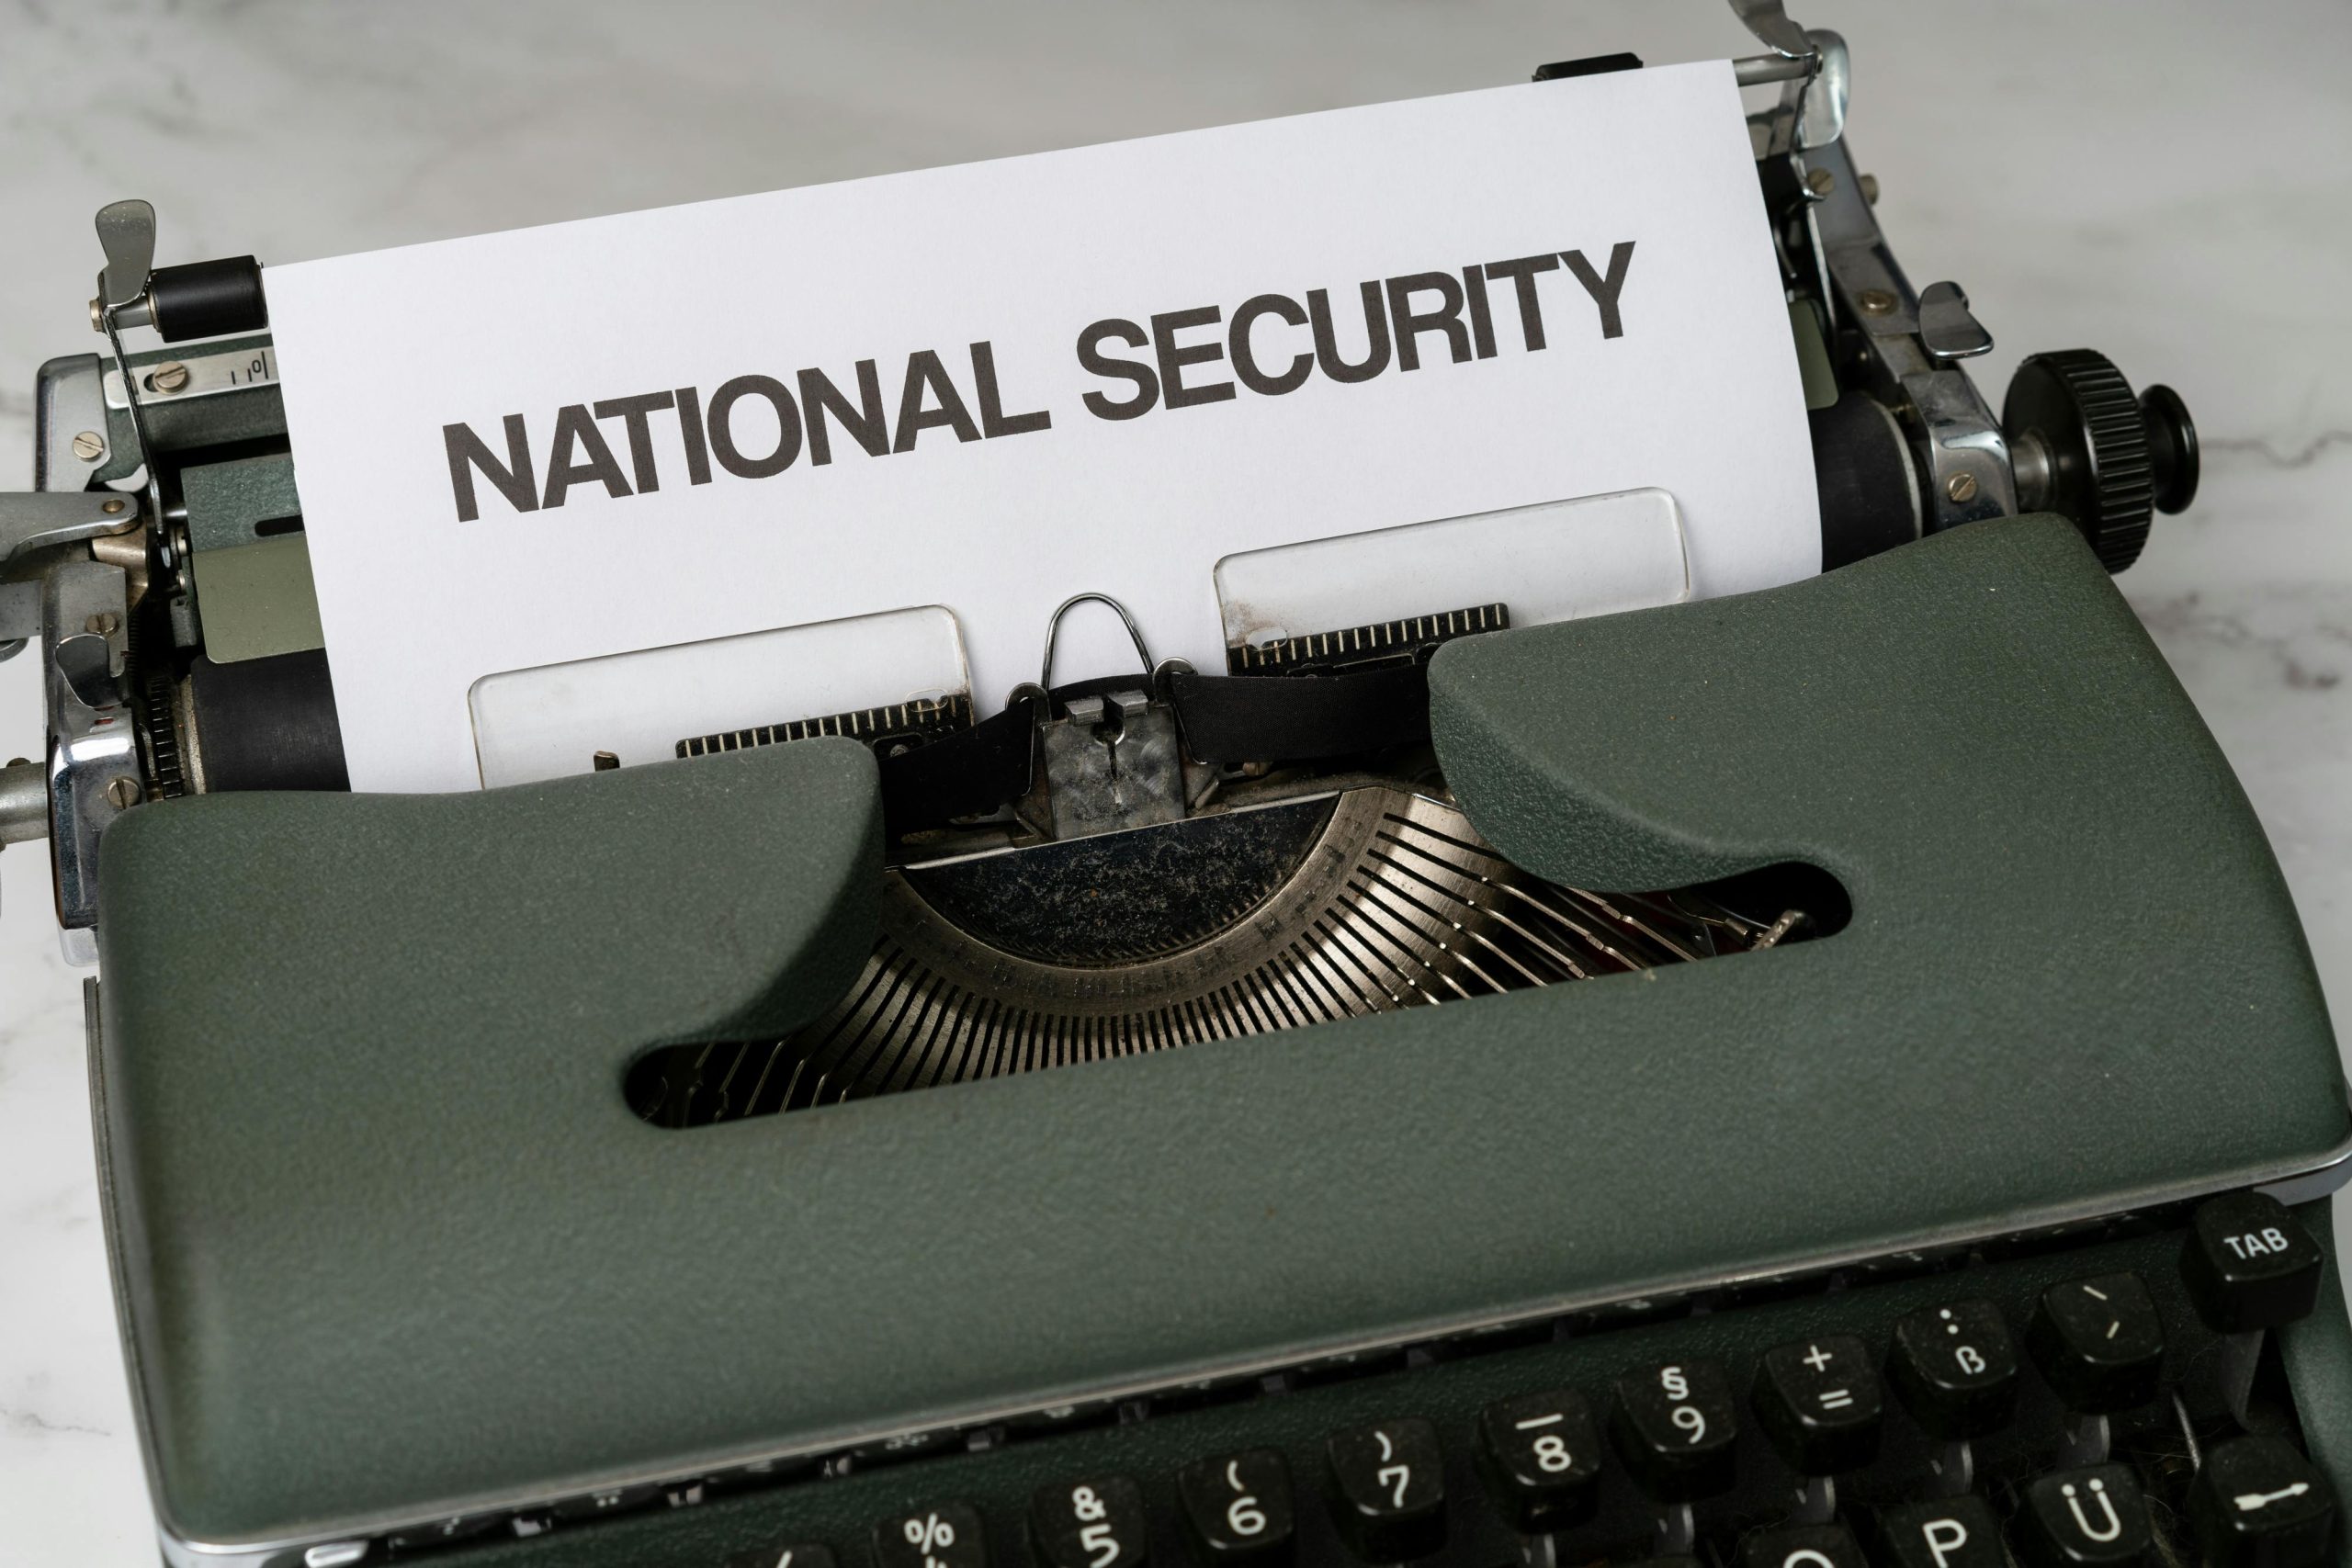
x=720 y=1162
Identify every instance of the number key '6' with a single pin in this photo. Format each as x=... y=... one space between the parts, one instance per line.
x=1237 y=1506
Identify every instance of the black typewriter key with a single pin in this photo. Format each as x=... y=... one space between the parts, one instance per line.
x=2258 y=1503
x=1955 y=1368
x=799 y=1554
x=2249 y=1264
x=2100 y=1342
x=1540 y=1454
x=1818 y=1399
x=1095 y=1523
x=1237 y=1507
x=949 y=1536
x=1388 y=1490
x=2085 y=1519
x=1675 y=1424
x=1950 y=1532
x=1802 y=1546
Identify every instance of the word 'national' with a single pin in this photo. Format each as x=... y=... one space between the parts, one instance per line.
x=755 y=427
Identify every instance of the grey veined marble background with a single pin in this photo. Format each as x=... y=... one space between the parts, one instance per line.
x=2167 y=182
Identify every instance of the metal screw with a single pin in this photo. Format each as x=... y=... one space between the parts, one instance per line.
x=1874 y=301
x=98 y=315
x=114 y=508
x=1961 y=488
x=103 y=624
x=89 y=446
x=124 y=792
x=606 y=761
x=1821 y=181
x=170 y=376
x=1870 y=187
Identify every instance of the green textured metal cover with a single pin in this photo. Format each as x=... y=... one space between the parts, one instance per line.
x=227 y=502
x=390 y=1241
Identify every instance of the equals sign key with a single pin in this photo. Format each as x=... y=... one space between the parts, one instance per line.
x=1820 y=1402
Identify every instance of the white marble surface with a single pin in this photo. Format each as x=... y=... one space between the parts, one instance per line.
x=2163 y=181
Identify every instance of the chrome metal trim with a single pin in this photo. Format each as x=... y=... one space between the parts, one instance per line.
x=94 y=771
x=236 y=368
x=1964 y=454
x=33 y=520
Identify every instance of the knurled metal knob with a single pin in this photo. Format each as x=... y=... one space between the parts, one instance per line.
x=2086 y=447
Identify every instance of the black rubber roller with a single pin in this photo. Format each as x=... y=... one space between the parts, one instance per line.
x=207 y=298
x=1862 y=476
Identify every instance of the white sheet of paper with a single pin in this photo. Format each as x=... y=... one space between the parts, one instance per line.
x=1698 y=395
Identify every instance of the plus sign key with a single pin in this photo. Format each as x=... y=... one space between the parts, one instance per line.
x=949 y=1536
x=1818 y=1399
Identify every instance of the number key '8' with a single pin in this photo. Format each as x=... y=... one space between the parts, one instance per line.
x=1095 y=1523
x=1540 y=1454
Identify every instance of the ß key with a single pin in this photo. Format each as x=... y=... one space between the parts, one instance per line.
x=1818 y=1401
x=1237 y=1507
x=2100 y=1342
x=1540 y=1454
x=1956 y=1368
x=1388 y=1490
x=1675 y=1423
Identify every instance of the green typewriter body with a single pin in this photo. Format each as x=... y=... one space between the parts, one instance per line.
x=401 y=1263
x=1826 y=1077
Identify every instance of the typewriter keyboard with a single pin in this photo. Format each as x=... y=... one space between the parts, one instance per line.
x=2112 y=1398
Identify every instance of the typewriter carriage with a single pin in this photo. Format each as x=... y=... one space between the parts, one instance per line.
x=165 y=508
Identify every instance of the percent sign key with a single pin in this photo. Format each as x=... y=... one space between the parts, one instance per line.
x=949 y=1536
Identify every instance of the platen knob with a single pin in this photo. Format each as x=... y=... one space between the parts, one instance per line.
x=2085 y=447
